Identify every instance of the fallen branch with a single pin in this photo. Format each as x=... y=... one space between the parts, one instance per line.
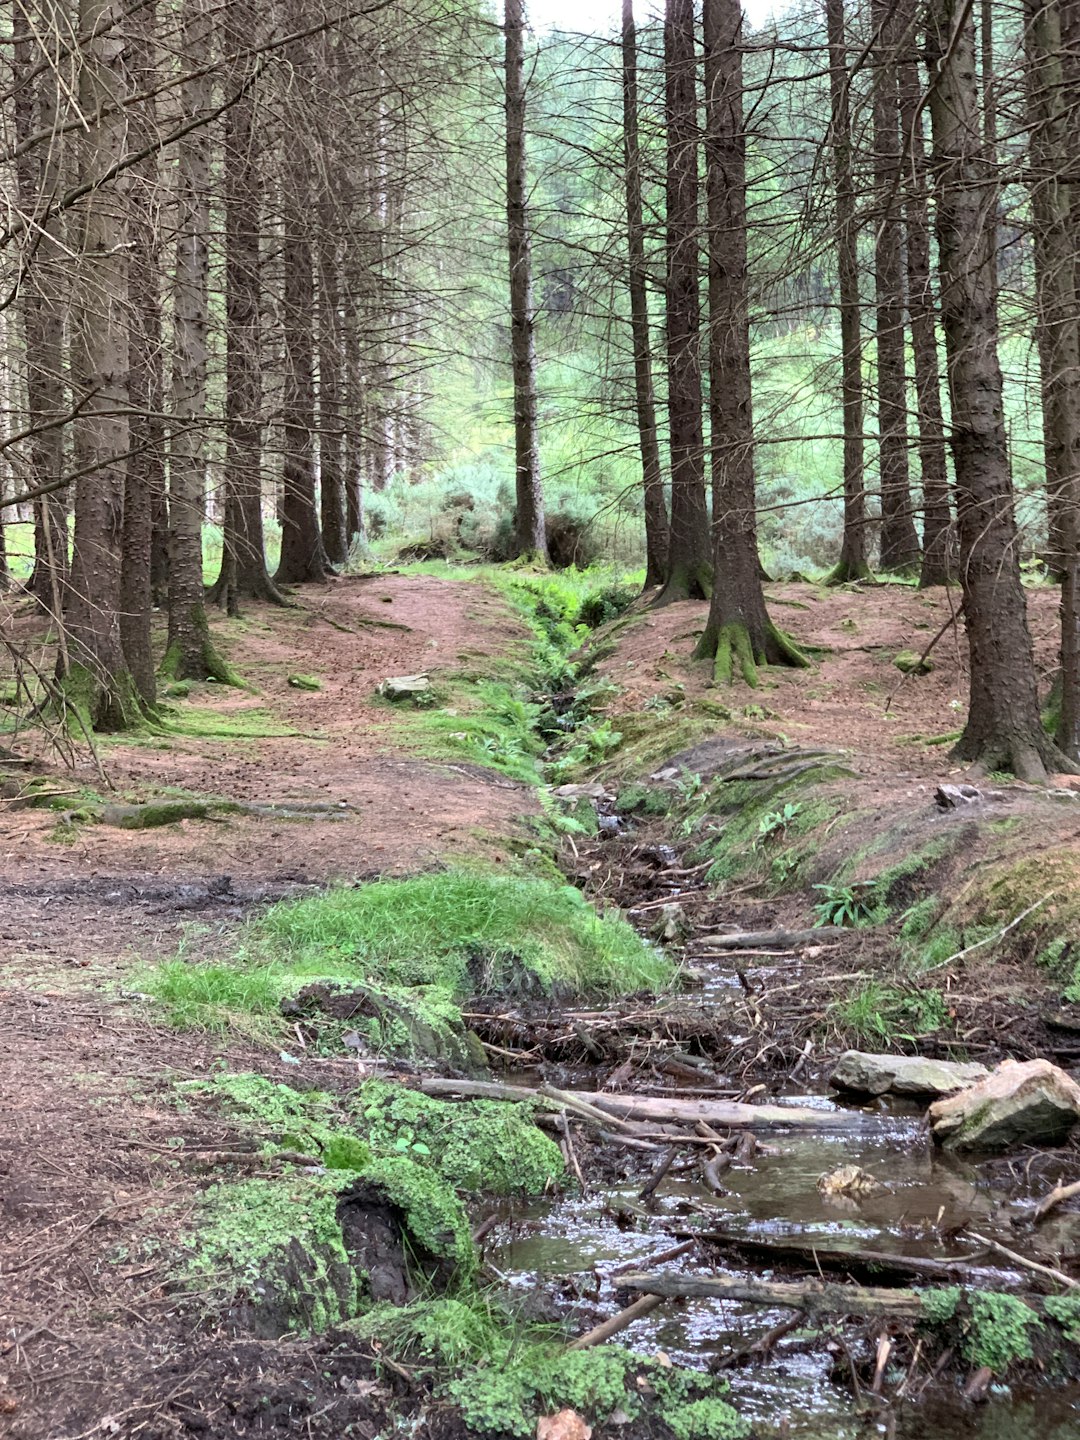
x=813 y=1297
x=1057 y=1197
x=872 y=1265
x=769 y=939
x=618 y=1111
x=618 y=1322
x=1058 y=1276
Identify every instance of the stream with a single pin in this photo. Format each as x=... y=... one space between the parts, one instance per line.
x=573 y=1249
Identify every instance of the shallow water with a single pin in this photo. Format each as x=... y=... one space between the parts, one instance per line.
x=573 y=1245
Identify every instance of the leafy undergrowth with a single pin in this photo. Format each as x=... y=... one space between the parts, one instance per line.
x=503 y=1375
x=411 y=947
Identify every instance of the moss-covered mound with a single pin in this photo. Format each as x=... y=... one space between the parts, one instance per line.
x=468 y=932
x=304 y=1252
x=476 y=1145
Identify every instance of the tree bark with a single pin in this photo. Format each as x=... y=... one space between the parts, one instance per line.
x=689 y=572
x=190 y=652
x=331 y=366
x=656 y=521
x=146 y=462
x=938 y=563
x=852 y=564
x=738 y=634
x=42 y=297
x=303 y=558
x=899 y=543
x=530 y=537
x=1003 y=729
x=1050 y=116
x=98 y=683
x=244 y=575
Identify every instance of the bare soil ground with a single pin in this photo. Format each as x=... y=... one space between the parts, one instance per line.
x=92 y=1192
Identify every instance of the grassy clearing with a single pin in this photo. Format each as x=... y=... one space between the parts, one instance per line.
x=435 y=938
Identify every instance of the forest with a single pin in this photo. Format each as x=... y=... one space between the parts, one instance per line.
x=540 y=719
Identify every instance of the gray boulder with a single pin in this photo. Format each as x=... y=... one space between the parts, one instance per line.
x=902 y=1074
x=1018 y=1104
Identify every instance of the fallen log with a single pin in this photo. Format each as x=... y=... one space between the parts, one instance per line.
x=618 y=1322
x=769 y=939
x=812 y=1297
x=868 y=1265
x=658 y=1110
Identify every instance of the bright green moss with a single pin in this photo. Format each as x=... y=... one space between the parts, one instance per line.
x=477 y=1145
x=999 y=1330
x=434 y=1215
x=1065 y=1309
x=939 y=1305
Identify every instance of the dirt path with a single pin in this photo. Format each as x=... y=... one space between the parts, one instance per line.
x=94 y=1185
x=89 y=1180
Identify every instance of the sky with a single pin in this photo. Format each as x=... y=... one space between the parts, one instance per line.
x=599 y=17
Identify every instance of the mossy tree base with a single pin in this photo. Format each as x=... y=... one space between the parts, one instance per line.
x=193 y=655
x=846 y=572
x=686 y=582
x=91 y=702
x=733 y=650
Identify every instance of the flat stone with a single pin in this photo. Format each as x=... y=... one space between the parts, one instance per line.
x=902 y=1074
x=1017 y=1104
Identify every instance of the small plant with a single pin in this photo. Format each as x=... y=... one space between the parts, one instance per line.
x=848 y=906
x=777 y=821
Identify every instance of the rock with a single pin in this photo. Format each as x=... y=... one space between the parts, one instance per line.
x=848 y=1180
x=955 y=797
x=902 y=1074
x=912 y=664
x=1032 y=1102
x=405 y=687
x=594 y=791
x=305 y=682
x=672 y=924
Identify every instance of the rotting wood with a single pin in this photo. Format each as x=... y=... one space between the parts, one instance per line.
x=617 y=1110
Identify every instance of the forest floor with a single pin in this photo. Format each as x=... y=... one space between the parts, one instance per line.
x=95 y=1338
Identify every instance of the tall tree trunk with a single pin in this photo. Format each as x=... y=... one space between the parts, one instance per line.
x=937 y=539
x=899 y=542
x=652 y=475
x=354 y=425
x=190 y=652
x=244 y=575
x=852 y=564
x=146 y=462
x=99 y=683
x=739 y=633
x=530 y=536
x=1003 y=729
x=331 y=438
x=689 y=573
x=303 y=558
x=41 y=292
x=1049 y=166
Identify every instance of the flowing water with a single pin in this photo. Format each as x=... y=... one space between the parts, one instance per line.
x=573 y=1248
